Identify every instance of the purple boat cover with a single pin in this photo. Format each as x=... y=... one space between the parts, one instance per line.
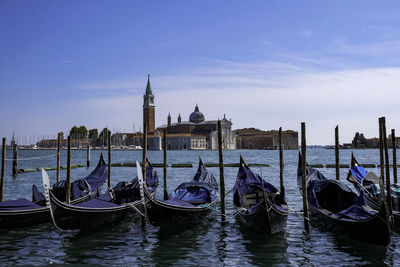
x=19 y=204
x=97 y=203
x=247 y=182
x=202 y=189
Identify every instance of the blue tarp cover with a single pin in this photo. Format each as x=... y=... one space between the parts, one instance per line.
x=354 y=212
x=97 y=203
x=201 y=190
x=178 y=202
x=359 y=173
x=247 y=182
x=19 y=204
x=335 y=194
x=84 y=186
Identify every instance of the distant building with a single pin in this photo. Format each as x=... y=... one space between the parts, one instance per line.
x=197 y=133
x=251 y=138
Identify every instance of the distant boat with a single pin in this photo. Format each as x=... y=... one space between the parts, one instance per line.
x=333 y=205
x=259 y=204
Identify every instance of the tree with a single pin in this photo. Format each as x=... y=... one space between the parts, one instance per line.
x=78 y=132
x=93 y=135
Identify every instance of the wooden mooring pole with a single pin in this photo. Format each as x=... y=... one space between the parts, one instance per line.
x=165 y=165
x=387 y=167
x=280 y=160
x=109 y=161
x=15 y=159
x=144 y=161
x=394 y=147
x=381 y=163
x=3 y=169
x=221 y=174
x=337 y=152
x=68 y=187
x=88 y=155
x=304 y=172
x=58 y=156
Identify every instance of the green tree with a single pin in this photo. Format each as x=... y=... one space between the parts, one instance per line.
x=93 y=135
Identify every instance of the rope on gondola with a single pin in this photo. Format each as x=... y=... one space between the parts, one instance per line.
x=136 y=209
x=19 y=159
x=230 y=191
x=296 y=213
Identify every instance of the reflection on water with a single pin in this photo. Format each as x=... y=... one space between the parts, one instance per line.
x=208 y=244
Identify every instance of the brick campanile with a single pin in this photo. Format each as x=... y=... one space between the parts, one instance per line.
x=149 y=108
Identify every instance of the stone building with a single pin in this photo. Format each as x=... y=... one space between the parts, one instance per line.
x=197 y=133
x=251 y=138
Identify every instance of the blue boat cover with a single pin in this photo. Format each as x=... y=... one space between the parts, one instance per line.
x=354 y=212
x=97 y=203
x=126 y=192
x=359 y=173
x=334 y=196
x=202 y=189
x=19 y=204
x=37 y=196
x=178 y=202
x=247 y=182
x=84 y=186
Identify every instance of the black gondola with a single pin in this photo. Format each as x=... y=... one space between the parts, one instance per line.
x=188 y=204
x=259 y=204
x=118 y=203
x=23 y=212
x=333 y=205
x=368 y=182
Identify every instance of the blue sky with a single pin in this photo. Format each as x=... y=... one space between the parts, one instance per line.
x=264 y=64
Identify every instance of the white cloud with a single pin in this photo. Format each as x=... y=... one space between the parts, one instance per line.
x=252 y=97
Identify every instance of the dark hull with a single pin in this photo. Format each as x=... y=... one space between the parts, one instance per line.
x=159 y=212
x=262 y=220
x=374 y=230
x=31 y=217
x=68 y=217
x=376 y=206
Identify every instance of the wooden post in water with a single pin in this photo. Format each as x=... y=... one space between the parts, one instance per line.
x=337 y=152
x=109 y=160
x=144 y=155
x=15 y=159
x=144 y=162
x=221 y=174
x=381 y=164
x=304 y=172
x=3 y=169
x=58 y=156
x=88 y=155
x=394 y=157
x=165 y=164
x=387 y=167
x=68 y=187
x=280 y=160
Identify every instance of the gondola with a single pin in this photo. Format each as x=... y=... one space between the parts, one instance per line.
x=23 y=212
x=258 y=203
x=116 y=204
x=334 y=206
x=368 y=182
x=188 y=204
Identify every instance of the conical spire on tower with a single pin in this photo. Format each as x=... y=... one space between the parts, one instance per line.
x=148 y=87
x=179 y=118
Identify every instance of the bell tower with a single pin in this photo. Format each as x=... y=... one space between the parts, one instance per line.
x=149 y=107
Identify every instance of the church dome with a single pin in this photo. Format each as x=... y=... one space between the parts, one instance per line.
x=196 y=116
